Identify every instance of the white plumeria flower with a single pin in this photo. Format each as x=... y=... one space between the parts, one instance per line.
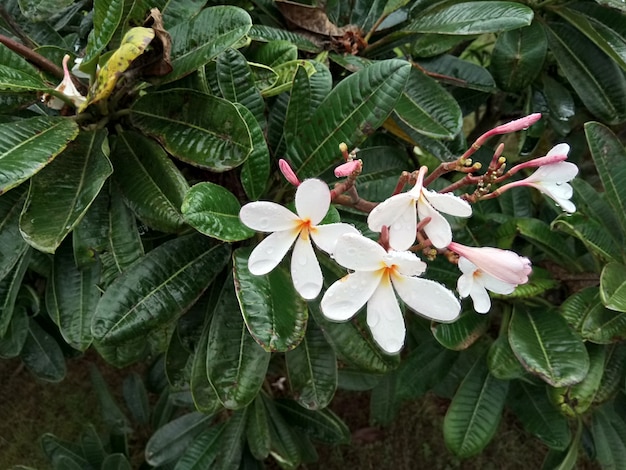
x=67 y=88
x=486 y=268
x=475 y=282
x=399 y=214
x=551 y=178
x=312 y=203
x=377 y=273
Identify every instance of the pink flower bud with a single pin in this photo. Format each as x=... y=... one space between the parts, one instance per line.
x=513 y=126
x=556 y=155
x=504 y=265
x=346 y=169
x=288 y=173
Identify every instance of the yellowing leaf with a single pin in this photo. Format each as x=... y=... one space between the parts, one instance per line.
x=134 y=43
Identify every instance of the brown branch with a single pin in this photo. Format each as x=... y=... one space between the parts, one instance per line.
x=33 y=57
x=16 y=28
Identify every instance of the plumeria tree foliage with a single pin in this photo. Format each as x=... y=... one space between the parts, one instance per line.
x=276 y=200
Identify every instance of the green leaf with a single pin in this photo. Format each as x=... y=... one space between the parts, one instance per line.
x=179 y=11
x=613 y=286
x=255 y=171
x=14 y=337
x=136 y=398
x=596 y=238
x=274 y=313
x=59 y=451
x=9 y=288
x=355 y=108
x=204 y=37
x=202 y=451
x=550 y=243
x=12 y=245
x=236 y=364
x=609 y=157
x=385 y=401
x=614 y=368
x=538 y=416
x=71 y=297
x=115 y=462
x=214 y=211
x=284 y=443
x=609 y=437
x=608 y=40
x=232 y=441
x=460 y=73
x=151 y=184
x=322 y=425
x=171 y=440
x=92 y=446
x=353 y=346
x=62 y=192
x=90 y=236
x=112 y=415
x=546 y=347
x=107 y=15
x=463 y=332
x=596 y=78
x=518 y=57
x=468 y=18
x=263 y=33
x=42 y=10
x=42 y=355
x=474 y=414
x=428 y=108
x=28 y=145
x=258 y=430
x=123 y=236
x=502 y=362
x=202 y=130
x=594 y=204
x=156 y=290
x=276 y=52
x=237 y=85
x=16 y=74
x=312 y=370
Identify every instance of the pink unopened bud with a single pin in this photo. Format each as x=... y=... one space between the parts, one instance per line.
x=288 y=173
x=504 y=265
x=346 y=169
x=513 y=126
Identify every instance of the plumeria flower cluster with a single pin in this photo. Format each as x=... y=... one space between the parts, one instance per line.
x=380 y=273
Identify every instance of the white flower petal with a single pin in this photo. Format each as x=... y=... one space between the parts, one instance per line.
x=359 y=253
x=267 y=254
x=312 y=200
x=407 y=263
x=495 y=285
x=464 y=284
x=466 y=266
x=325 y=236
x=438 y=229
x=385 y=319
x=403 y=230
x=448 y=203
x=267 y=216
x=305 y=269
x=428 y=298
x=560 y=172
x=560 y=149
x=346 y=296
x=389 y=210
x=480 y=298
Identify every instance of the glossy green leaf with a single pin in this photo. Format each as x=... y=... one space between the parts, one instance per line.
x=107 y=15
x=538 y=416
x=613 y=286
x=38 y=10
x=202 y=451
x=255 y=171
x=202 y=392
x=71 y=297
x=474 y=414
x=472 y=18
x=263 y=33
x=322 y=425
x=42 y=355
x=136 y=398
x=16 y=74
x=430 y=45
x=609 y=437
x=115 y=462
x=276 y=52
x=463 y=332
x=151 y=184
x=550 y=243
x=284 y=443
x=57 y=450
x=460 y=73
x=593 y=203
x=92 y=446
x=518 y=57
x=236 y=364
x=353 y=346
x=547 y=347
x=203 y=130
x=428 y=108
x=312 y=370
x=274 y=313
x=258 y=429
x=123 y=235
x=201 y=39
x=609 y=157
x=355 y=380
x=12 y=245
x=171 y=440
x=28 y=145
x=502 y=362
x=385 y=402
x=232 y=441
x=178 y=12
x=15 y=335
x=62 y=192
x=596 y=238
x=614 y=368
x=608 y=40
x=214 y=211
x=597 y=79
x=9 y=289
x=236 y=83
x=90 y=236
x=353 y=110
x=155 y=291
x=112 y=415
